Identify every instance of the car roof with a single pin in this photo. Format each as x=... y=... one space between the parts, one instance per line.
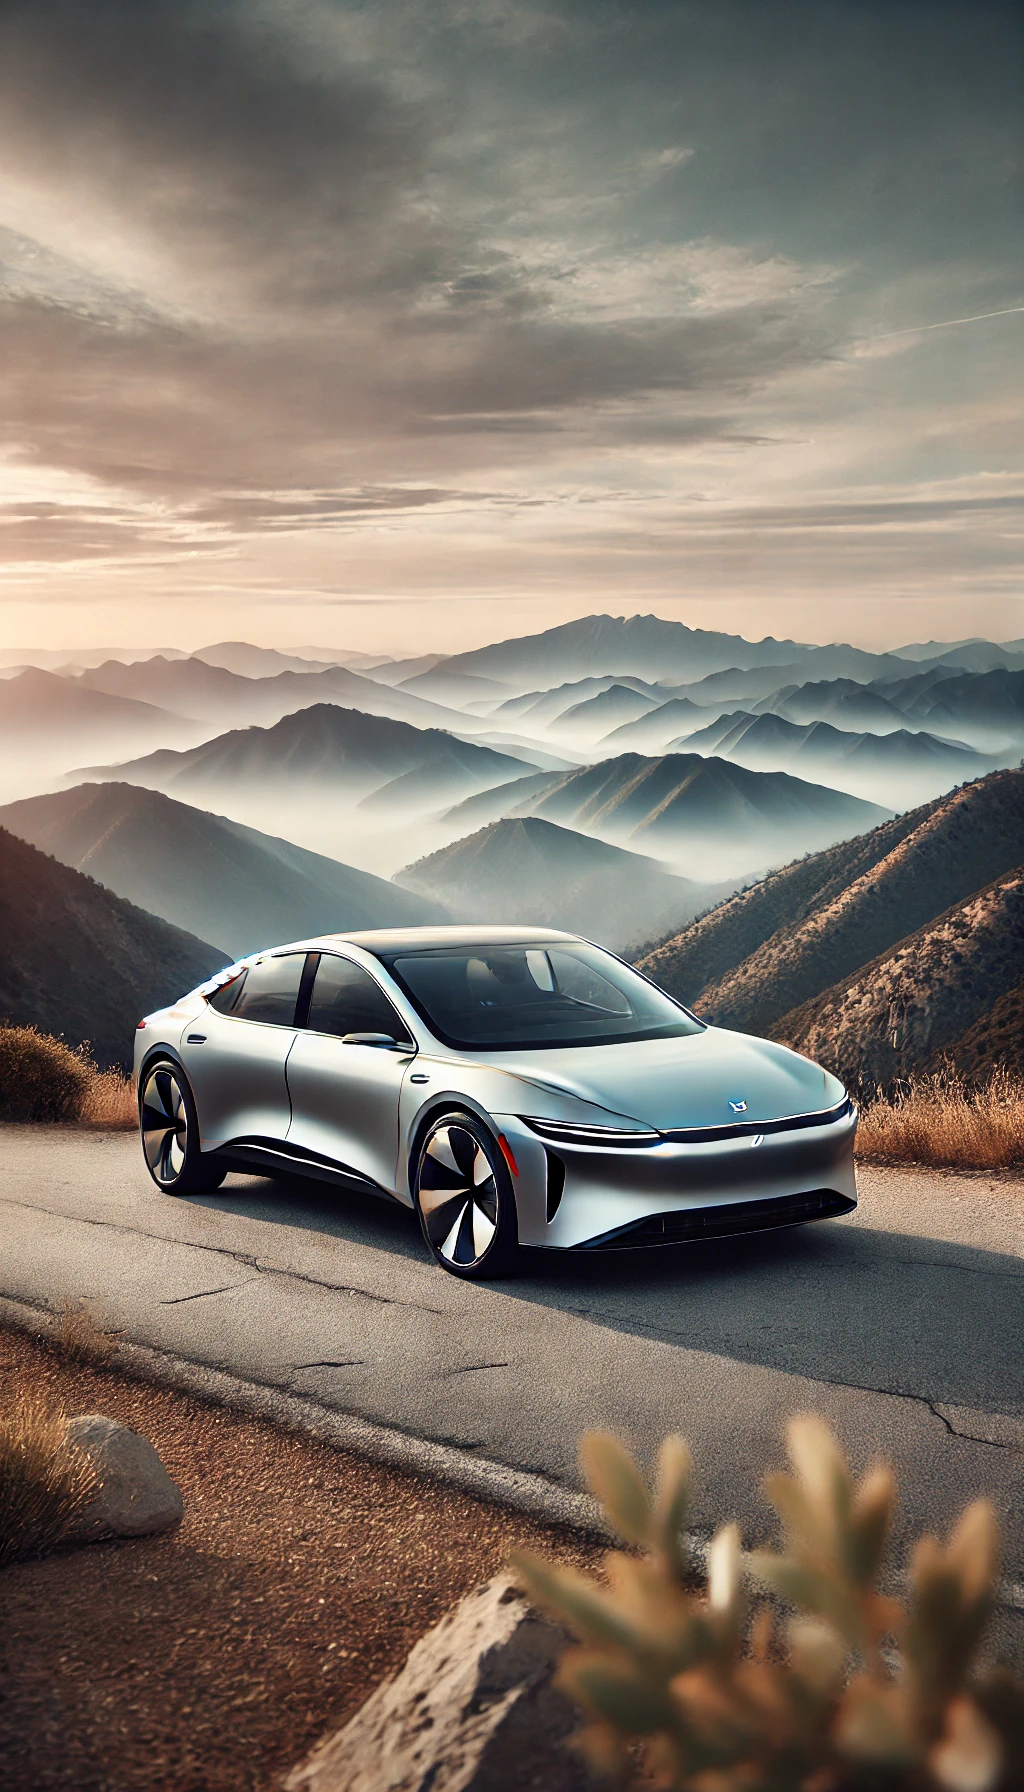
x=383 y=941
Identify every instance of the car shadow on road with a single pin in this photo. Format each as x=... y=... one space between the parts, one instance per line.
x=315 y=1207
x=836 y=1301
x=867 y=1308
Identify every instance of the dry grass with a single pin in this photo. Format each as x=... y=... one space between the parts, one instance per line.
x=941 y=1121
x=45 y=1482
x=110 y=1101
x=42 y=1079
x=78 y=1337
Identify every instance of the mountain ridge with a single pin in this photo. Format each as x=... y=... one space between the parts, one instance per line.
x=915 y=765
x=324 y=738
x=213 y=877
x=679 y=798
x=77 y=960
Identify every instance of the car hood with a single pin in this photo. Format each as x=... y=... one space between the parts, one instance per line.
x=669 y=1083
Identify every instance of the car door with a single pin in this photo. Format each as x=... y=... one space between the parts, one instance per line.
x=344 y=1094
x=235 y=1052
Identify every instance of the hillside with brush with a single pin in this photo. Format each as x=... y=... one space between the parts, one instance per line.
x=916 y=1003
x=77 y=960
x=994 y=1042
x=779 y=945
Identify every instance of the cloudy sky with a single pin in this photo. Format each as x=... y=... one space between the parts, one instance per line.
x=418 y=323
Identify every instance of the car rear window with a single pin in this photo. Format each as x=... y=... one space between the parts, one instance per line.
x=267 y=992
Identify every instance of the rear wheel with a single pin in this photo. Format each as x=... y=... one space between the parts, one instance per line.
x=170 y=1134
x=464 y=1198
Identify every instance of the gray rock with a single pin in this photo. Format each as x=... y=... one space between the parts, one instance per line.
x=472 y=1710
x=135 y=1495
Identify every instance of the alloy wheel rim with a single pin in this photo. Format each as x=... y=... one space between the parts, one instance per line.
x=164 y=1125
x=458 y=1195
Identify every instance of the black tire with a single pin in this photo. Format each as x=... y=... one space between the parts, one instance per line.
x=465 y=1200
x=169 y=1126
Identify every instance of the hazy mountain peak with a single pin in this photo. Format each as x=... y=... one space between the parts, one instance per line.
x=533 y=871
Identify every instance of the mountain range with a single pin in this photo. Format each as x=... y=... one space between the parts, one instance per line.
x=77 y=960
x=531 y=871
x=218 y=694
x=571 y=775
x=716 y=816
x=987 y=706
x=649 y=647
x=211 y=876
x=841 y=701
x=324 y=747
x=901 y=767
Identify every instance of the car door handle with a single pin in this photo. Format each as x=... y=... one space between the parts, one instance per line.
x=195 y=1039
x=418 y=1077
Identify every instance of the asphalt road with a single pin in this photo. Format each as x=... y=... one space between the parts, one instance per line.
x=902 y=1323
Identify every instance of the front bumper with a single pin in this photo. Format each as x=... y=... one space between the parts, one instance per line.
x=574 y=1196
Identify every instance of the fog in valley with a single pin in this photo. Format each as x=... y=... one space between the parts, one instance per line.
x=490 y=784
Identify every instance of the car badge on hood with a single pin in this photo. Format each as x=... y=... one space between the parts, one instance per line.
x=738 y=1107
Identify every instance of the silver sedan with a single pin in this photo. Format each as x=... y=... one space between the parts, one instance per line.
x=514 y=1086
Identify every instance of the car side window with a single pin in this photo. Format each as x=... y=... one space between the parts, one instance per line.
x=346 y=999
x=270 y=991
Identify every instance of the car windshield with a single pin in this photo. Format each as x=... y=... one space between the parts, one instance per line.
x=494 y=998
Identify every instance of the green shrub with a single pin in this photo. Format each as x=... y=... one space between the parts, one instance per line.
x=41 y=1078
x=854 y=1692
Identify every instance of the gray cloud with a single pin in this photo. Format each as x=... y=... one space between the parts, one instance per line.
x=277 y=268
x=201 y=123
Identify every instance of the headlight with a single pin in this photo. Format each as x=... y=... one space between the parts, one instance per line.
x=566 y=1132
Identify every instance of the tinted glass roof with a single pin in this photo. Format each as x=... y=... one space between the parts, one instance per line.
x=383 y=940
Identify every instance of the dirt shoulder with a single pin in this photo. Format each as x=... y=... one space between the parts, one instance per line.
x=213 y=1657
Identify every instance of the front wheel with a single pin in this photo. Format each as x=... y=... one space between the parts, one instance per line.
x=463 y=1194
x=170 y=1134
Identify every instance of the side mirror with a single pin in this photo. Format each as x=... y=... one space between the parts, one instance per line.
x=383 y=1041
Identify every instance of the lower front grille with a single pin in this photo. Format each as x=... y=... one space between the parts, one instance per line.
x=724 y=1221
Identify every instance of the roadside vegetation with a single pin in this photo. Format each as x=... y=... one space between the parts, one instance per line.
x=851 y=1690
x=43 y=1079
x=946 y=1123
x=78 y=1338
x=45 y=1482
x=217 y=1654
x=941 y=1120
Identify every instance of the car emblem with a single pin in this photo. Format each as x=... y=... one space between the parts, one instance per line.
x=738 y=1107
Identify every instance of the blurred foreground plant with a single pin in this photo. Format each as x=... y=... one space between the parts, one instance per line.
x=852 y=1691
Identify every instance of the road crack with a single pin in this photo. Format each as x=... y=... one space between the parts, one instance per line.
x=178 y=1300
x=219 y=1250
x=471 y=1368
x=345 y=1362
x=1013 y=1444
